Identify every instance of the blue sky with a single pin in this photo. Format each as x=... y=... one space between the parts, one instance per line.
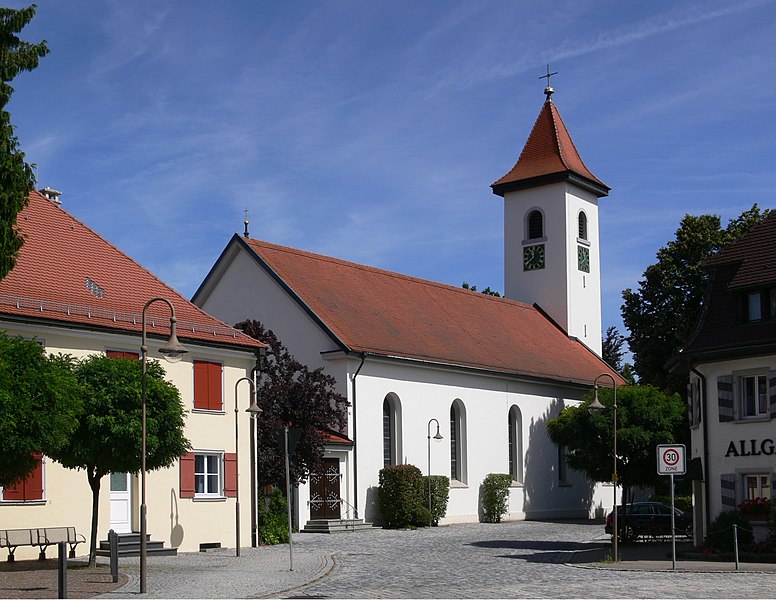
x=371 y=131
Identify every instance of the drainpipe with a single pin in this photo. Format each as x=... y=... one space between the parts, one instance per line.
x=704 y=421
x=355 y=445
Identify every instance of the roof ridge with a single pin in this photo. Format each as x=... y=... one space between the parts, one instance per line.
x=386 y=272
x=167 y=286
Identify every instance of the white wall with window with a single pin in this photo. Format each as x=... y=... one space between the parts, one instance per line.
x=736 y=410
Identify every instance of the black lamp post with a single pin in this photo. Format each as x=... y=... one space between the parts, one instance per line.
x=437 y=436
x=594 y=407
x=254 y=411
x=172 y=351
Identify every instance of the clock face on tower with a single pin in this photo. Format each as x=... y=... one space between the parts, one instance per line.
x=583 y=258
x=533 y=257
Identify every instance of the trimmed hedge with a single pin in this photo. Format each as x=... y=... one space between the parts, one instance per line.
x=402 y=502
x=683 y=503
x=495 y=496
x=440 y=491
x=273 y=518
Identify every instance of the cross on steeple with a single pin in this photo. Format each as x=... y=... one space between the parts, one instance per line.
x=548 y=91
x=246 y=234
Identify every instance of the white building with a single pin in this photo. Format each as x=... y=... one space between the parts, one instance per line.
x=731 y=359
x=406 y=351
x=75 y=293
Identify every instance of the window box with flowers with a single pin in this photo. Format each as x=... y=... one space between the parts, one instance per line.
x=755 y=509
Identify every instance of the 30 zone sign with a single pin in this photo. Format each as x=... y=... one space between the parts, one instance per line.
x=670 y=459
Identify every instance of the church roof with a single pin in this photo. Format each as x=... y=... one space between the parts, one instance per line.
x=379 y=312
x=67 y=274
x=549 y=156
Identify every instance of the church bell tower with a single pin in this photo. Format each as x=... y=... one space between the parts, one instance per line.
x=551 y=247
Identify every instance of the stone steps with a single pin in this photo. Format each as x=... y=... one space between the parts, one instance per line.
x=129 y=545
x=335 y=525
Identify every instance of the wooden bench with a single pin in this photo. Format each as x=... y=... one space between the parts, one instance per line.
x=43 y=537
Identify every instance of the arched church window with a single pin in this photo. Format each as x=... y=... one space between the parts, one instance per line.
x=535 y=225
x=458 y=442
x=391 y=430
x=516 y=444
x=582 y=226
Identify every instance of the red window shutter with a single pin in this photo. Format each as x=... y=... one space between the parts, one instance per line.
x=200 y=385
x=122 y=354
x=214 y=386
x=230 y=474
x=187 y=476
x=29 y=489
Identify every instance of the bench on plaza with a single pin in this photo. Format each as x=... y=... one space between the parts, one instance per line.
x=42 y=537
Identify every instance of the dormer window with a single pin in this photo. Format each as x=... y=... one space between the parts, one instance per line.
x=758 y=305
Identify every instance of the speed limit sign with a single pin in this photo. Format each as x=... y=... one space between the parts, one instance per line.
x=671 y=459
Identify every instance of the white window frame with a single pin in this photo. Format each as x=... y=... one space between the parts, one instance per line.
x=204 y=475
x=759 y=485
x=515 y=431
x=761 y=401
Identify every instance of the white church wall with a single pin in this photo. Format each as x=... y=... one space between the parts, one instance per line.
x=427 y=393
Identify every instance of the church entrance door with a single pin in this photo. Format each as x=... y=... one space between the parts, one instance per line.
x=325 y=491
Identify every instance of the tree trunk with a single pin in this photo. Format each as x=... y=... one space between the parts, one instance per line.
x=94 y=483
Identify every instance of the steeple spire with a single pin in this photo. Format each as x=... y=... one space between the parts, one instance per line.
x=548 y=91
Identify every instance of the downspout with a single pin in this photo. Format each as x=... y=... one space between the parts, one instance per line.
x=704 y=417
x=355 y=436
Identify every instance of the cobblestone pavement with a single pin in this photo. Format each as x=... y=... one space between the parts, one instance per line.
x=506 y=560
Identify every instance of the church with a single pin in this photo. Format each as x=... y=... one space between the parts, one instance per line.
x=455 y=382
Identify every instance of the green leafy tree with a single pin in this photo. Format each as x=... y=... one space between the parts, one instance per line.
x=612 y=347
x=289 y=393
x=39 y=405
x=17 y=179
x=108 y=438
x=646 y=417
x=661 y=313
x=487 y=291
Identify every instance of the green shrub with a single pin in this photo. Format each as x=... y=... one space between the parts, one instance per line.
x=440 y=491
x=683 y=503
x=495 y=496
x=273 y=519
x=401 y=497
x=720 y=536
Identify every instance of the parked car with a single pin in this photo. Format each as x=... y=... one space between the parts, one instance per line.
x=648 y=519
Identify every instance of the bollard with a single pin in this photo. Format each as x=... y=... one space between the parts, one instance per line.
x=113 y=542
x=735 y=546
x=62 y=570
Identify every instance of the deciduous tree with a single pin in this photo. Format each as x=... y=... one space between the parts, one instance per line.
x=662 y=312
x=108 y=438
x=17 y=179
x=646 y=417
x=39 y=405
x=289 y=393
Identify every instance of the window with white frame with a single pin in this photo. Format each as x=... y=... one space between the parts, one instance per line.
x=208 y=475
x=754 y=395
x=391 y=430
x=757 y=485
x=458 y=442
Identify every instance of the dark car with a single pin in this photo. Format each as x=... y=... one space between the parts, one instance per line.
x=649 y=519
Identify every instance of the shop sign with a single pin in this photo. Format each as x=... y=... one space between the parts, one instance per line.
x=751 y=448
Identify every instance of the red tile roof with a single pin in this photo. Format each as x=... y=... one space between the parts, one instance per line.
x=548 y=156
x=67 y=273
x=389 y=314
x=755 y=251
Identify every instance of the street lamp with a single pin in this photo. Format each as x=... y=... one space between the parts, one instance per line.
x=172 y=352
x=594 y=407
x=254 y=411
x=437 y=436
